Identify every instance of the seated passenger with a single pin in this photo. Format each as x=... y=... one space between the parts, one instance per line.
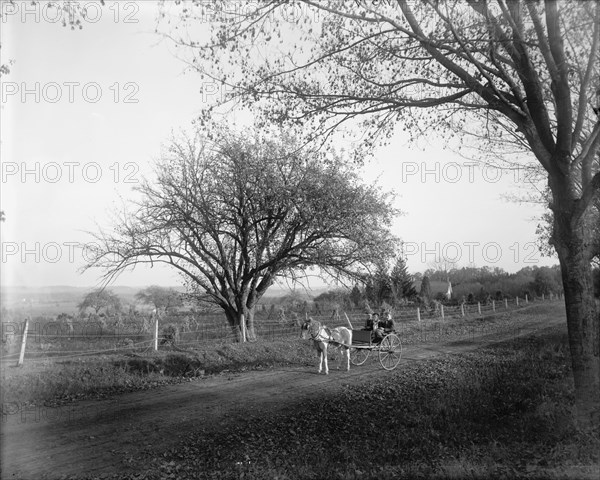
x=387 y=324
x=378 y=331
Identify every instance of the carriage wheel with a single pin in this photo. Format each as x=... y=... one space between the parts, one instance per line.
x=358 y=356
x=390 y=351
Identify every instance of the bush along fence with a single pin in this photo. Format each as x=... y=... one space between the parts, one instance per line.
x=37 y=339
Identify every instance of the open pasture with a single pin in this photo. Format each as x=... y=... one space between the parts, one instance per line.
x=94 y=358
x=71 y=336
x=501 y=411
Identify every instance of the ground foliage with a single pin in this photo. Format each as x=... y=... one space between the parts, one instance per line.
x=61 y=381
x=64 y=381
x=501 y=412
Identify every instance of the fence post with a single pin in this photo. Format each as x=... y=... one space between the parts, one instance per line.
x=348 y=320
x=243 y=327
x=506 y=303
x=479 y=307
x=517 y=301
x=23 y=342
x=442 y=311
x=493 y=305
x=155 y=331
x=543 y=297
x=526 y=298
x=462 y=309
x=418 y=314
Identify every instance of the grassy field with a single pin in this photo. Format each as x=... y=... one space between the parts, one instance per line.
x=51 y=335
x=501 y=412
x=48 y=379
x=56 y=382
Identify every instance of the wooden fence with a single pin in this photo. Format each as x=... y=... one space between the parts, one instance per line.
x=39 y=341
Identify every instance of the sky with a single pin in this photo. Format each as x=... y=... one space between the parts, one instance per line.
x=84 y=114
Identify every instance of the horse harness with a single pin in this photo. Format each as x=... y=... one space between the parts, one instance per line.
x=319 y=333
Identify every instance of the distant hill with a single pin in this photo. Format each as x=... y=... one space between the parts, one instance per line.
x=56 y=299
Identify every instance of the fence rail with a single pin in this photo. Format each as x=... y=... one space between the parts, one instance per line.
x=55 y=340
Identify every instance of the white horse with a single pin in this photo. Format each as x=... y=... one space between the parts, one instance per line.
x=323 y=336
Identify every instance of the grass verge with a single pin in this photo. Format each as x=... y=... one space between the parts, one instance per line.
x=501 y=412
x=54 y=381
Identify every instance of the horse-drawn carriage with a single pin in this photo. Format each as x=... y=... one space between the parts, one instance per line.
x=389 y=348
x=356 y=344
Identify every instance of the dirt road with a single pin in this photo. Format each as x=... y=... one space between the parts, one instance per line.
x=118 y=434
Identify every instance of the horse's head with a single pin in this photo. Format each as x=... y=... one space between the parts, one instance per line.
x=307 y=328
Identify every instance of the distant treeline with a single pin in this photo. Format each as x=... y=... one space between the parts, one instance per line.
x=469 y=284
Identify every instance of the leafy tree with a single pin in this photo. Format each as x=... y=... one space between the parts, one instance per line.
x=441 y=268
x=383 y=284
x=100 y=299
x=546 y=281
x=293 y=300
x=235 y=212
x=370 y=291
x=520 y=75
x=356 y=296
x=402 y=281
x=425 y=292
x=161 y=298
x=483 y=296
x=332 y=299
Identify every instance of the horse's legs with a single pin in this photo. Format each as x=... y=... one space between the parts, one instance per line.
x=320 y=356
x=347 y=351
x=340 y=355
x=343 y=354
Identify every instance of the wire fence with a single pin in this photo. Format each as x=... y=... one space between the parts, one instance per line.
x=54 y=340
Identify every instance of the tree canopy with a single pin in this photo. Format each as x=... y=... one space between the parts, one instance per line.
x=517 y=70
x=234 y=213
x=100 y=299
x=519 y=75
x=161 y=298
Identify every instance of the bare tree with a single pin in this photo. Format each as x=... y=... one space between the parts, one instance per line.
x=100 y=299
x=161 y=298
x=443 y=264
x=520 y=75
x=234 y=213
x=71 y=14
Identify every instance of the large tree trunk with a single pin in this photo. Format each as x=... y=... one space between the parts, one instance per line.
x=233 y=319
x=250 y=326
x=571 y=238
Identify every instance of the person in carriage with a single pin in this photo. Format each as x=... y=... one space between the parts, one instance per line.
x=387 y=323
x=371 y=325
x=380 y=327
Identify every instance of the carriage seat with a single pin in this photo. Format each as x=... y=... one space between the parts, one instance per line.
x=361 y=337
x=367 y=337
